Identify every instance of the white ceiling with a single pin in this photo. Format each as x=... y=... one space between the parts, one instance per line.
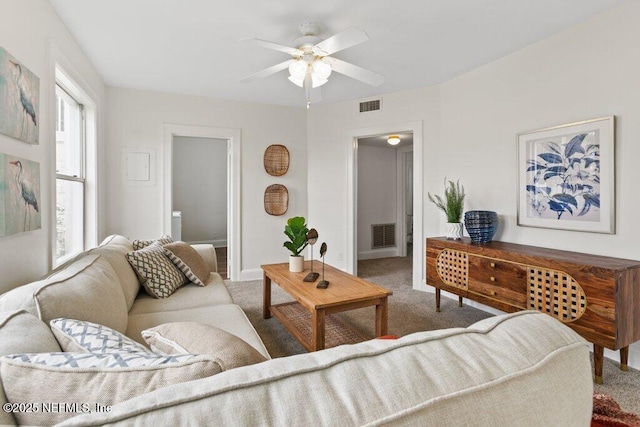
x=192 y=46
x=406 y=139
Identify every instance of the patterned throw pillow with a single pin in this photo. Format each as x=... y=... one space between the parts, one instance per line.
x=82 y=381
x=160 y=277
x=189 y=261
x=141 y=244
x=85 y=337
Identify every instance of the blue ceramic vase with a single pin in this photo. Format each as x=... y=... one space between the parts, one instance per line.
x=481 y=225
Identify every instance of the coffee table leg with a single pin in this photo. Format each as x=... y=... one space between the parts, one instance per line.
x=381 y=317
x=317 y=330
x=266 y=297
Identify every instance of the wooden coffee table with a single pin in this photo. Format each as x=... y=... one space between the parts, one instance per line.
x=345 y=292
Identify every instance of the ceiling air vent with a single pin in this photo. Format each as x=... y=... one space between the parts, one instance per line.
x=371 y=105
x=383 y=236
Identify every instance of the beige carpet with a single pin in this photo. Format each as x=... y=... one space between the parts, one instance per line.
x=409 y=311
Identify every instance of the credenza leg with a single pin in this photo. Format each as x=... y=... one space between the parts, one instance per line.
x=598 y=359
x=624 y=358
x=437 y=300
x=459 y=301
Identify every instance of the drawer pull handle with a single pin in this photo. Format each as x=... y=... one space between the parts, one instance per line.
x=493 y=265
x=493 y=279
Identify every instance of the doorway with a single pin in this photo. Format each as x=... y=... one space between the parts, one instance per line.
x=199 y=212
x=233 y=196
x=417 y=248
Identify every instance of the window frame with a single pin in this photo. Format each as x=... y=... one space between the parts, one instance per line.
x=80 y=178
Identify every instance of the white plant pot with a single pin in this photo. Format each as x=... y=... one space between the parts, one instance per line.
x=454 y=230
x=296 y=264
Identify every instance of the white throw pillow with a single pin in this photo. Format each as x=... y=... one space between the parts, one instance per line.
x=86 y=337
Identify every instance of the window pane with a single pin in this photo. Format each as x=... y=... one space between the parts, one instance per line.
x=69 y=217
x=68 y=135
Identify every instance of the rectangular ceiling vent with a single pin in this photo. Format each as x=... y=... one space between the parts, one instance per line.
x=371 y=105
x=383 y=236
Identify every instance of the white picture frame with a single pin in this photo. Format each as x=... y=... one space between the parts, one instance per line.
x=566 y=176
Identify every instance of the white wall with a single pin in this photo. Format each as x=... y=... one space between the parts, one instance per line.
x=377 y=192
x=470 y=126
x=200 y=188
x=135 y=120
x=32 y=32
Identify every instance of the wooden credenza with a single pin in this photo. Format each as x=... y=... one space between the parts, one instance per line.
x=598 y=297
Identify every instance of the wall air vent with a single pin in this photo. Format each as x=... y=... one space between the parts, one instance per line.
x=383 y=236
x=370 y=105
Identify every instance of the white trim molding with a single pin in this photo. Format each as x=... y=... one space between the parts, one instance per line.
x=233 y=136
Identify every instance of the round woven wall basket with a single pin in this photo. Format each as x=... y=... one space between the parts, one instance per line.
x=276 y=200
x=276 y=160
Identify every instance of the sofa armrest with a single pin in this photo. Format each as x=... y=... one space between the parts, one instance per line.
x=208 y=252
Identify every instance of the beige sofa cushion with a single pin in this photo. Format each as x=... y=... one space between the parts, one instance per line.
x=229 y=318
x=90 y=291
x=188 y=296
x=188 y=260
x=208 y=253
x=86 y=379
x=114 y=249
x=526 y=370
x=22 y=332
x=199 y=338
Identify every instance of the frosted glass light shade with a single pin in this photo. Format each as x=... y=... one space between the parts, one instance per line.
x=298 y=69
x=321 y=69
x=393 y=140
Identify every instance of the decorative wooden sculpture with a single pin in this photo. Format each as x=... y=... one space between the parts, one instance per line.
x=323 y=283
x=312 y=238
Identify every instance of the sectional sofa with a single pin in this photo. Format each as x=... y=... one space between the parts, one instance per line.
x=524 y=369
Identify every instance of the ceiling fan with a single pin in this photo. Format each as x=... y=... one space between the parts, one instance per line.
x=310 y=65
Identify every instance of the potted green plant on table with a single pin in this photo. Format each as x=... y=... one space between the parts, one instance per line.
x=296 y=230
x=452 y=206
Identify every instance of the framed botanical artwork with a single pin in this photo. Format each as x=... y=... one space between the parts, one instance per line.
x=19 y=99
x=566 y=177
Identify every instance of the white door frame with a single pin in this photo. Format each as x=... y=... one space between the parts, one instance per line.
x=352 y=191
x=233 y=184
x=401 y=190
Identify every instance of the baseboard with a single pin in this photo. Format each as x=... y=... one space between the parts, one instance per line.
x=634 y=349
x=216 y=243
x=378 y=253
x=251 y=274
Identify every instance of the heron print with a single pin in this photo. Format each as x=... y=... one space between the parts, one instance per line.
x=19 y=99
x=20 y=183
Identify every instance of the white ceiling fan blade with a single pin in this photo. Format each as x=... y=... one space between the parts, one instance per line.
x=267 y=71
x=274 y=46
x=344 y=39
x=356 y=72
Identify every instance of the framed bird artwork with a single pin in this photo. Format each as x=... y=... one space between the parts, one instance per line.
x=19 y=100
x=19 y=195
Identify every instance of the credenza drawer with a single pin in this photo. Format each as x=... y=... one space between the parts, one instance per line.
x=498 y=279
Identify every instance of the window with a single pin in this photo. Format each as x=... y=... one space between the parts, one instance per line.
x=70 y=176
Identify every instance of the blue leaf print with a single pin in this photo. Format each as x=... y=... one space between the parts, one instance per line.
x=555 y=206
x=551 y=158
x=591 y=198
x=575 y=145
x=554 y=147
x=566 y=199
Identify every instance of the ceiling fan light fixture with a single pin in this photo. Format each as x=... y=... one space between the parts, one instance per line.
x=316 y=81
x=297 y=81
x=321 y=69
x=298 y=69
x=393 y=140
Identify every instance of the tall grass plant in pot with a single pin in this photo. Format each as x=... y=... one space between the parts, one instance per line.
x=453 y=206
x=296 y=230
